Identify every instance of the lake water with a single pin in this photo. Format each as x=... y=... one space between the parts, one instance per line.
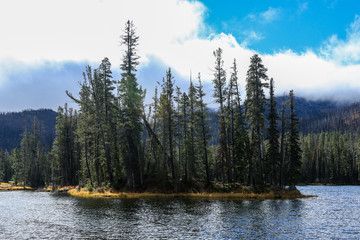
x=335 y=213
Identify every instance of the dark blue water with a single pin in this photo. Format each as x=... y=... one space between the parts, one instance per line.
x=335 y=213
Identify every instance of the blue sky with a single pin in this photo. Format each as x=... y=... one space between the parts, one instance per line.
x=287 y=24
x=312 y=47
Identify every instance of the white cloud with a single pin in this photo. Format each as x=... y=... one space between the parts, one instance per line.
x=271 y=14
x=79 y=30
x=303 y=7
x=251 y=36
x=169 y=30
x=344 y=51
x=309 y=73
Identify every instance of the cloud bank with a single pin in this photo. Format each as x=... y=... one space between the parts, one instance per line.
x=48 y=35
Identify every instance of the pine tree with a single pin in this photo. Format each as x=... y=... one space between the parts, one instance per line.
x=154 y=146
x=64 y=147
x=202 y=126
x=272 y=153
x=220 y=92
x=184 y=139
x=192 y=134
x=282 y=143
x=108 y=114
x=131 y=106
x=168 y=91
x=86 y=133
x=26 y=154
x=294 y=163
x=17 y=158
x=93 y=112
x=239 y=134
x=167 y=129
x=255 y=104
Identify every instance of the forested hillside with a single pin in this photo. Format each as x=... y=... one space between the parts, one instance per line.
x=344 y=118
x=13 y=124
x=331 y=146
x=309 y=109
x=315 y=116
x=311 y=113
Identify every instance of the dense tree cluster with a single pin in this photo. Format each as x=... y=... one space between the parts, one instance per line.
x=28 y=164
x=330 y=157
x=13 y=124
x=113 y=141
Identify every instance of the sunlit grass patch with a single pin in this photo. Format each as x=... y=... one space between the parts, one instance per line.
x=11 y=188
x=283 y=194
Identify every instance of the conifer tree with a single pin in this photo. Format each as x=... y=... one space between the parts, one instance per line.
x=255 y=104
x=238 y=127
x=202 y=126
x=294 y=159
x=16 y=157
x=192 y=135
x=272 y=153
x=97 y=91
x=167 y=130
x=64 y=147
x=87 y=133
x=282 y=143
x=108 y=114
x=220 y=92
x=26 y=154
x=154 y=123
x=168 y=89
x=131 y=106
x=185 y=134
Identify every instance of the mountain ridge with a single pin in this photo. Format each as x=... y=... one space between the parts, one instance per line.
x=310 y=112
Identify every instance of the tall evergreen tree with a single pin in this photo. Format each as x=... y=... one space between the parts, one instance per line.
x=294 y=163
x=192 y=134
x=26 y=154
x=203 y=127
x=184 y=139
x=220 y=92
x=64 y=147
x=168 y=91
x=16 y=157
x=239 y=134
x=131 y=106
x=255 y=105
x=282 y=147
x=97 y=91
x=272 y=153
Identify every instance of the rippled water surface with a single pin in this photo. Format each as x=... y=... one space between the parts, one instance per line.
x=335 y=213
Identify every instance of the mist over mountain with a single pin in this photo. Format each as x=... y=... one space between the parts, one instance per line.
x=307 y=109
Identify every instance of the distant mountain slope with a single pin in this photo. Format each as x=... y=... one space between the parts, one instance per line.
x=343 y=119
x=12 y=126
x=316 y=116
x=307 y=109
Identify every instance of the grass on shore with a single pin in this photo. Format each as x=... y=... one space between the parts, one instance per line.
x=247 y=195
x=10 y=187
x=283 y=194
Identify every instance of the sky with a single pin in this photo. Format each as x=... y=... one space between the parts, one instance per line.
x=312 y=47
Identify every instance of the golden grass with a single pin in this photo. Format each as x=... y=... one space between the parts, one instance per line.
x=11 y=188
x=284 y=194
